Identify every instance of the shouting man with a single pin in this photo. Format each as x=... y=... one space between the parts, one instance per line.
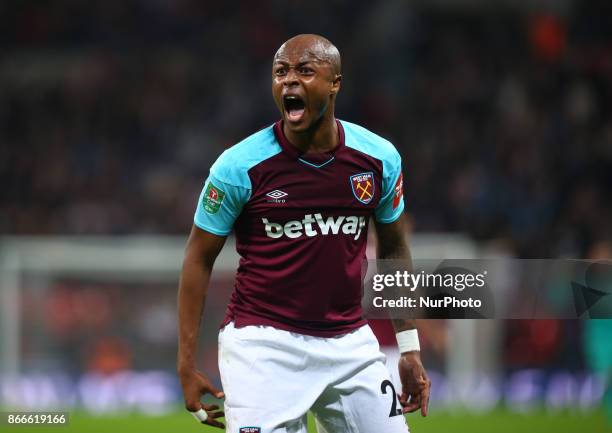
x=299 y=195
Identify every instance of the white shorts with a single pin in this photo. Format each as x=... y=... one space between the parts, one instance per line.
x=272 y=378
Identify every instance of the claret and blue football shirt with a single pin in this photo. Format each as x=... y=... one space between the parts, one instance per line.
x=301 y=222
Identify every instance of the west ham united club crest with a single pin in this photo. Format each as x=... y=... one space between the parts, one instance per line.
x=363 y=187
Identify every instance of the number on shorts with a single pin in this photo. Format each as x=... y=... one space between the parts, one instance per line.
x=383 y=388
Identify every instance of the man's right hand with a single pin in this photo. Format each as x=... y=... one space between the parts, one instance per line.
x=195 y=384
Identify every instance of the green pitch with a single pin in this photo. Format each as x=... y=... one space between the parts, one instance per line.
x=499 y=421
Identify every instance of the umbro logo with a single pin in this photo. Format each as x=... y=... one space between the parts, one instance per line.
x=276 y=196
x=277 y=193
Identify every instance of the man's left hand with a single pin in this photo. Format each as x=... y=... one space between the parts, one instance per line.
x=415 y=383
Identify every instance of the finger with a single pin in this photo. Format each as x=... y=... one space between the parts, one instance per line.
x=413 y=405
x=193 y=405
x=218 y=394
x=212 y=390
x=424 y=401
x=214 y=423
x=210 y=407
x=424 y=409
x=219 y=414
x=408 y=397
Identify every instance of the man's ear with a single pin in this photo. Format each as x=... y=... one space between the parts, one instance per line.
x=335 y=85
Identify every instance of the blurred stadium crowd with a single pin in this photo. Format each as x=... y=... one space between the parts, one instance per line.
x=112 y=112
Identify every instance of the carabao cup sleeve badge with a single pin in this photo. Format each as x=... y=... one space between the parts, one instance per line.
x=213 y=197
x=363 y=187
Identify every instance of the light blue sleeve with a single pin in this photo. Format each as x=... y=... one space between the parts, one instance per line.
x=228 y=187
x=219 y=206
x=391 y=205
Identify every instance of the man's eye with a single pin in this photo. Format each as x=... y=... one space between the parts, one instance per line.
x=306 y=71
x=280 y=71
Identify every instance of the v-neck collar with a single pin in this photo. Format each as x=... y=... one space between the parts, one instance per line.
x=316 y=160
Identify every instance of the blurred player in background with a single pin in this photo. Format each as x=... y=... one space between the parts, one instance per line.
x=299 y=195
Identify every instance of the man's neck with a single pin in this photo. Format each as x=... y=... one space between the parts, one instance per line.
x=322 y=137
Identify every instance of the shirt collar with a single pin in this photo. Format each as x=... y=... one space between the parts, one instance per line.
x=296 y=153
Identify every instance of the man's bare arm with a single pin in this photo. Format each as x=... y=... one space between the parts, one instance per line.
x=200 y=255
x=392 y=245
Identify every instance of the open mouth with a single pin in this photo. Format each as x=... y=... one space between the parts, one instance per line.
x=294 y=107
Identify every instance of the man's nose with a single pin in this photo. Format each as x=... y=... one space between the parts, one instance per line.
x=291 y=78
